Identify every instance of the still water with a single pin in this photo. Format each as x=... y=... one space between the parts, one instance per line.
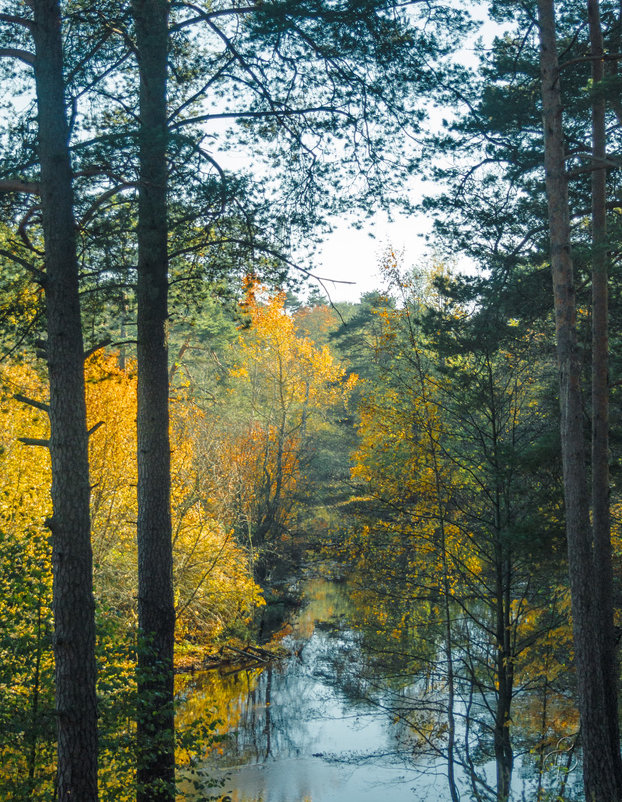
x=319 y=727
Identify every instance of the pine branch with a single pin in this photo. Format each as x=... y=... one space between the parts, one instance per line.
x=38 y=274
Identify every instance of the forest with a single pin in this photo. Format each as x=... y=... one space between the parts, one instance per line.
x=259 y=545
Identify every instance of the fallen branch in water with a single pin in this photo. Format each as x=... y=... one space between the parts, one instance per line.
x=242 y=657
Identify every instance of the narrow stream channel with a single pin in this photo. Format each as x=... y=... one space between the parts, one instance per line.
x=313 y=729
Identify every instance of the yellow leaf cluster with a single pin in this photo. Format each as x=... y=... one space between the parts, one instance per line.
x=214 y=586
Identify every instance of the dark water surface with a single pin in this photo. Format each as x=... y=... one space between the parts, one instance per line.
x=317 y=727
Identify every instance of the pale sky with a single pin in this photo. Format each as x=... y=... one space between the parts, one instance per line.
x=351 y=254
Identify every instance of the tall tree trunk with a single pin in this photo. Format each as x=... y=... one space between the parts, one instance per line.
x=504 y=754
x=73 y=605
x=156 y=612
x=603 y=568
x=599 y=761
x=504 y=668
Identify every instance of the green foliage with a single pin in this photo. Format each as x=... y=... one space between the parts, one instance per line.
x=462 y=514
x=116 y=692
x=27 y=720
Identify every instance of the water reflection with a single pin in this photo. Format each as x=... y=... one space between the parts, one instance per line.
x=329 y=724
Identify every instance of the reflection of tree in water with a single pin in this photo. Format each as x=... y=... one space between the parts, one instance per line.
x=262 y=718
x=408 y=680
x=349 y=673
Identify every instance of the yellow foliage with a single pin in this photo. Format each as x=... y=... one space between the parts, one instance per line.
x=26 y=664
x=213 y=584
x=215 y=697
x=290 y=365
x=26 y=474
x=282 y=391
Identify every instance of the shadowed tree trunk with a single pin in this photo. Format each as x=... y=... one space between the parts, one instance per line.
x=504 y=755
x=74 y=626
x=156 y=613
x=600 y=755
x=603 y=567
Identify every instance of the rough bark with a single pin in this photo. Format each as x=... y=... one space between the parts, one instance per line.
x=600 y=776
x=74 y=625
x=603 y=568
x=156 y=612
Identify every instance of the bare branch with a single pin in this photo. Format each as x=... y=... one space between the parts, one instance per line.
x=588 y=58
x=89 y=55
x=17 y=185
x=177 y=361
x=34 y=441
x=21 y=55
x=97 y=347
x=203 y=15
x=223 y=176
x=251 y=243
x=119 y=31
x=95 y=427
x=109 y=193
x=277 y=112
x=12 y=18
x=38 y=274
x=22 y=231
x=24 y=399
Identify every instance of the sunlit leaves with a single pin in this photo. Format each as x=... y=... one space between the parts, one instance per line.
x=459 y=506
x=283 y=390
x=212 y=582
x=26 y=717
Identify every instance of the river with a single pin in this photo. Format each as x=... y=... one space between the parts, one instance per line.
x=321 y=726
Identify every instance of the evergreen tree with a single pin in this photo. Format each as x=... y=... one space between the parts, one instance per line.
x=501 y=219
x=73 y=604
